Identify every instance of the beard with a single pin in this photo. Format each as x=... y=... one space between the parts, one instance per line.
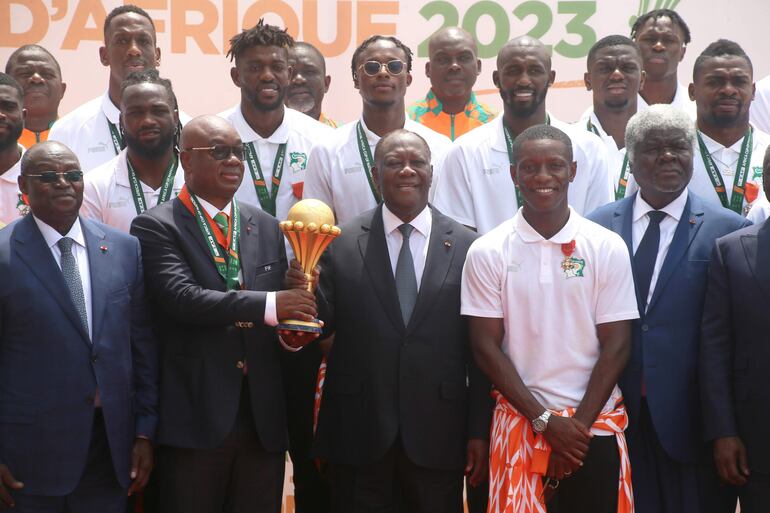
x=269 y=107
x=526 y=111
x=150 y=151
x=727 y=120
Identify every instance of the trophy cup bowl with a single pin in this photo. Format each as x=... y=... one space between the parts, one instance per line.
x=309 y=230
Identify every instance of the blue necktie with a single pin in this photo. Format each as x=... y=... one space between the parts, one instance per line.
x=406 y=280
x=646 y=255
x=69 y=269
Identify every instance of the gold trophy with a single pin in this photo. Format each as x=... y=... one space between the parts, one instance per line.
x=309 y=230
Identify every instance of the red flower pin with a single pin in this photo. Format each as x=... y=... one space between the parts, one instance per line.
x=103 y=249
x=568 y=248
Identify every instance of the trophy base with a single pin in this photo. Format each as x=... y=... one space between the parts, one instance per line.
x=294 y=325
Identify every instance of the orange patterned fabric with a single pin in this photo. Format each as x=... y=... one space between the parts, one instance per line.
x=519 y=459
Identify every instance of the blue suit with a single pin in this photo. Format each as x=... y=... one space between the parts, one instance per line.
x=50 y=368
x=665 y=338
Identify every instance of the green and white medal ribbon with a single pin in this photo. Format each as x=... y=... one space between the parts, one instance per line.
x=166 y=186
x=366 y=160
x=741 y=174
x=267 y=199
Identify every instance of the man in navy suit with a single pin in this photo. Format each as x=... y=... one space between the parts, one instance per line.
x=670 y=233
x=78 y=364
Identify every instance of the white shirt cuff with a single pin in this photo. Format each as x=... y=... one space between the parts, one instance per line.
x=271 y=317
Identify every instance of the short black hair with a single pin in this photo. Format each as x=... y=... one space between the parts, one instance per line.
x=150 y=76
x=123 y=9
x=401 y=131
x=15 y=55
x=720 y=48
x=371 y=40
x=539 y=132
x=261 y=34
x=613 y=40
x=661 y=13
x=8 y=80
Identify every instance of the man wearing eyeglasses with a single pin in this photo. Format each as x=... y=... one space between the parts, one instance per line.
x=78 y=359
x=12 y=205
x=215 y=270
x=145 y=173
x=277 y=139
x=339 y=170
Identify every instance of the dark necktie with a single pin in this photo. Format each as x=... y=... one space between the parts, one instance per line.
x=69 y=269
x=406 y=280
x=647 y=254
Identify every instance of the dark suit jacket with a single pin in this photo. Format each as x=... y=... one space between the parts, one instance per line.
x=735 y=344
x=384 y=378
x=50 y=368
x=665 y=338
x=195 y=318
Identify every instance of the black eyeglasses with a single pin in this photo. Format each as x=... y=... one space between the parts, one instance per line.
x=220 y=151
x=394 y=67
x=53 y=176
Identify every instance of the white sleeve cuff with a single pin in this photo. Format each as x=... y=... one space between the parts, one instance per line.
x=271 y=317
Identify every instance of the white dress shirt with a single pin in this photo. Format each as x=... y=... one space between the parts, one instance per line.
x=271 y=317
x=418 y=240
x=52 y=238
x=668 y=225
x=10 y=194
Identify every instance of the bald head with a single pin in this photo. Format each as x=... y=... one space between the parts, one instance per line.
x=451 y=35
x=45 y=150
x=453 y=66
x=524 y=45
x=198 y=131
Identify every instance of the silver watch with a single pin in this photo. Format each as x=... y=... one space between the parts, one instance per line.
x=540 y=424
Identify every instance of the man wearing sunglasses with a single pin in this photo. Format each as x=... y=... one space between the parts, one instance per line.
x=12 y=113
x=475 y=187
x=145 y=173
x=277 y=139
x=339 y=170
x=78 y=366
x=216 y=268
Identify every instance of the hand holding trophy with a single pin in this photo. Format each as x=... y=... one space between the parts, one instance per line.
x=309 y=230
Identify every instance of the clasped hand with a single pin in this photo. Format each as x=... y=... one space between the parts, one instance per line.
x=297 y=303
x=569 y=440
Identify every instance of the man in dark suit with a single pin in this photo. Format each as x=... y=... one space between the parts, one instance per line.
x=78 y=362
x=404 y=409
x=735 y=360
x=213 y=266
x=670 y=233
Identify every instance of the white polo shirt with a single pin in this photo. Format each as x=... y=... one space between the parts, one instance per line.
x=681 y=101
x=616 y=156
x=760 y=107
x=10 y=196
x=726 y=160
x=86 y=131
x=550 y=314
x=299 y=132
x=476 y=189
x=336 y=175
x=107 y=193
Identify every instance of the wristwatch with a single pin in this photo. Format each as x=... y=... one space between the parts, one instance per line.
x=540 y=424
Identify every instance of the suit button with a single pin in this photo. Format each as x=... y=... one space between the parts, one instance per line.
x=645 y=327
x=239 y=365
x=94 y=358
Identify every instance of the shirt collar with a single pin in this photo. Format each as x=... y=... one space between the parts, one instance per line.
x=13 y=173
x=121 y=169
x=211 y=210
x=565 y=235
x=713 y=146
x=675 y=209
x=52 y=237
x=421 y=223
x=280 y=136
x=109 y=109
x=498 y=135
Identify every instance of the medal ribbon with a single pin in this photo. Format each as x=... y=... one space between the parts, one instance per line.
x=117 y=140
x=266 y=199
x=620 y=190
x=166 y=187
x=228 y=262
x=366 y=160
x=741 y=174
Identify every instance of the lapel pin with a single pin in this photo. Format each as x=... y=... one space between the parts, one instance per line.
x=248 y=228
x=103 y=249
x=692 y=220
x=448 y=243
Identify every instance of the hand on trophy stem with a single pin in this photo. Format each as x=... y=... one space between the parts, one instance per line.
x=297 y=279
x=295 y=304
x=298 y=338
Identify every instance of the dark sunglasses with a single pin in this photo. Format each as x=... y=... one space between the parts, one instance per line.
x=220 y=151
x=394 y=67
x=53 y=176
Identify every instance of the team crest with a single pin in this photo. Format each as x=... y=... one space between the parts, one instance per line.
x=21 y=207
x=297 y=161
x=756 y=172
x=573 y=267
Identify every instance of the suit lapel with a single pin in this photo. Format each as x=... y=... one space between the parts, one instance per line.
x=374 y=252
x=248 y=250
x=689 y=224
x=102 y=266
x=35 y=252
x=753 y=247
x=192 y=228
x=441 y=250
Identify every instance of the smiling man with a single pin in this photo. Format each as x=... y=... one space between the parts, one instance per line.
x=475 y=186
x=728 y=150
x=340 y=167
x=614 y=77
x=309 y=82
x=450 y=107
x=144 y=174
x=542 y=274
x=38 y=73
